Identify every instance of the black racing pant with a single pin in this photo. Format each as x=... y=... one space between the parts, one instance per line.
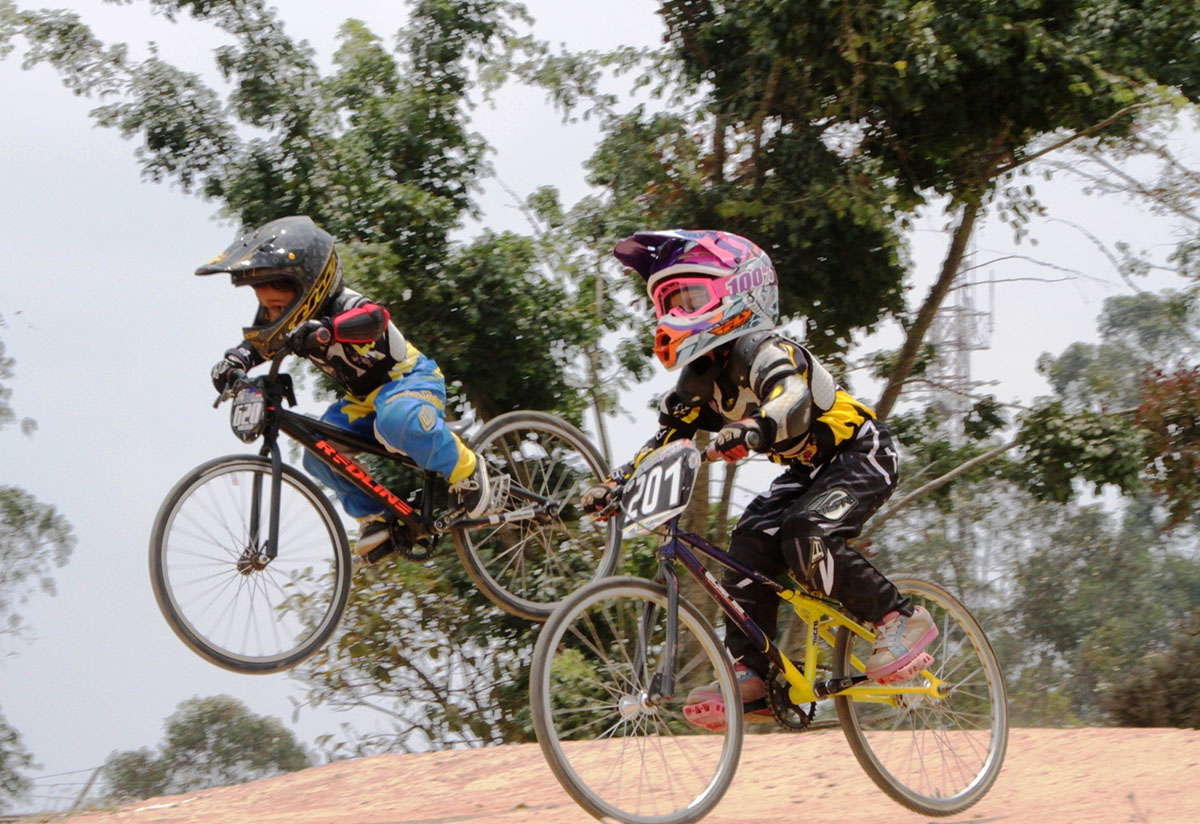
x=803 y=522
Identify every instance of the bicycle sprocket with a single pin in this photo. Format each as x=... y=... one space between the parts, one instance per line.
x=788 y=715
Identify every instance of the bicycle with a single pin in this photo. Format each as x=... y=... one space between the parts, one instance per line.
x=251 y=566
x=614 y=663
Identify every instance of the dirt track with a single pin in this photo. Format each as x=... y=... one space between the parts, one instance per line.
x=1049 y=777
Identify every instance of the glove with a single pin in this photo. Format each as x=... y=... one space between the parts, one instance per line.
x=598 y=497
x=735 y=440
x=309 y=338
x=223 y=369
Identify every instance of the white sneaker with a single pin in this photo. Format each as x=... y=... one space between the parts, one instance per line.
x=480 y=492
x=900 y=641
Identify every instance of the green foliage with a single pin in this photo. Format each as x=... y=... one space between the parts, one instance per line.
x=1169 y=417
x=422 y=645
x=210 y=742
x=378 y=152
x=931 y=449
x=1137 y=332
x=7 y=416
x=1059 y=448
x=14 y=758
x=1164 y=690
x=34 y=539
x=136 y=774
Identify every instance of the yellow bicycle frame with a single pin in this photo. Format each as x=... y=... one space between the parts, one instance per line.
x=822 y=621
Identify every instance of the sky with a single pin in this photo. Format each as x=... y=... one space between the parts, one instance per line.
x=113 y=339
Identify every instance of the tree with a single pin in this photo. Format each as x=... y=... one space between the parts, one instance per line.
x=210 y=742
x=1161 y=692
x=34 y=539
x=380 y=153
x=14 y=759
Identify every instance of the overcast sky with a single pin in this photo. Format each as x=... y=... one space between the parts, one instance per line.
x=113 y=339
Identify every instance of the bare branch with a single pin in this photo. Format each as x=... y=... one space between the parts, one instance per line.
x=1090 y=130
x=936 y=483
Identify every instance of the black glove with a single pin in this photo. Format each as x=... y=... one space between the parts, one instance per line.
x=223 y=369
x=735 y=440
x=309 y=338
x=598 y=497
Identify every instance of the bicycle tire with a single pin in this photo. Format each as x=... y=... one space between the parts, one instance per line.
x=615 y=753
x=525 y=567
x=240 y=615
x=915 y=747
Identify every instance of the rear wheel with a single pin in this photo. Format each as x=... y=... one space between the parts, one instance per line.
x=214 y=584
x=528 y=566
x=935 y=755
x=617 y=746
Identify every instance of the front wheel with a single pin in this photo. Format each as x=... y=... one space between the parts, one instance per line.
x=619 y=746
x=935 y=755
x=526 y=567
x=214 y=582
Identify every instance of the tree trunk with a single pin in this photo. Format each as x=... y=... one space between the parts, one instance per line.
x=695 y=518
x=920 y=326
x=721 y=532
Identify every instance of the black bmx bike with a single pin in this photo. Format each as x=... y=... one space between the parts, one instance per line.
x=249 y=559
x=613 y=666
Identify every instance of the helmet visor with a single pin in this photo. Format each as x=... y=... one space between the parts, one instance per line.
x=688 y=296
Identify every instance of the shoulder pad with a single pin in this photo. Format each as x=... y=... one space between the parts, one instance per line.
x=741 y=356
x=696 y=380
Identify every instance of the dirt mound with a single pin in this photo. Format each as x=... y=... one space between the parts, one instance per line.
x=1049 y=777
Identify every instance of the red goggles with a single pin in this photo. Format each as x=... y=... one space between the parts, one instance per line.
x=688 y=296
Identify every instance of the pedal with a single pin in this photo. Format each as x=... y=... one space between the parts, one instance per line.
x=710 y=715
x=373 y=557
x=707 y=715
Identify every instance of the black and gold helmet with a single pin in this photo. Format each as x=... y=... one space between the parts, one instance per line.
x=292 y=249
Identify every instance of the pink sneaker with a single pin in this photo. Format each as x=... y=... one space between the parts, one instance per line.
x=900 y=641
x=705 y=707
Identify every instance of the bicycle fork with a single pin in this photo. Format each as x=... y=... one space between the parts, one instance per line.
x=257 y=555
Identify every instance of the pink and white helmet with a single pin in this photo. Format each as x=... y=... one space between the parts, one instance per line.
x=708 y=288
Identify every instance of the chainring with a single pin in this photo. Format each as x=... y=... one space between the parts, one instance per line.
x=420 y=550
x=790 y=716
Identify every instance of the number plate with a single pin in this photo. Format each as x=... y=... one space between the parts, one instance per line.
x=661 y=487
x=249 y=413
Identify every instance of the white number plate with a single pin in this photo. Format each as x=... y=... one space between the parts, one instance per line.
x=660 y=488
x=248 y=414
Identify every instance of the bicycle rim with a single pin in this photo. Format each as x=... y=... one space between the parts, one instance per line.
x=527 y=567
x=239 y=614
x=936 y=756
x=615 y=752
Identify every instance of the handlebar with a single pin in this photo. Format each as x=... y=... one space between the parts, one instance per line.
x=238 y=378
x=753 y=440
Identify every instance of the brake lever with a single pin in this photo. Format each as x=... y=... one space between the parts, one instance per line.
x=236 y=381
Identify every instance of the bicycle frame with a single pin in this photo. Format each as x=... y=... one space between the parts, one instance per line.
x=329 y=443
x=821 y=616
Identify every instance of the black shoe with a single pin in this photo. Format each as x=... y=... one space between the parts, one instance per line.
x=373 y=532
x=481 y=493
x=376 y=555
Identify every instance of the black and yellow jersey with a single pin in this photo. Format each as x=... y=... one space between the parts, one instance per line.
x=804 y=415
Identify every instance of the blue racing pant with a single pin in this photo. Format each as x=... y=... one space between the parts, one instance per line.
x=406 y=415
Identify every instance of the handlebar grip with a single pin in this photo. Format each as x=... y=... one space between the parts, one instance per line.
x=754 y=438
x=323 y=336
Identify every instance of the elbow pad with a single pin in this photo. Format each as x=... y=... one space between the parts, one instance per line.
x=363 y=324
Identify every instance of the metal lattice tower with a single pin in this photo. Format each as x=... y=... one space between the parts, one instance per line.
x=959 y=328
